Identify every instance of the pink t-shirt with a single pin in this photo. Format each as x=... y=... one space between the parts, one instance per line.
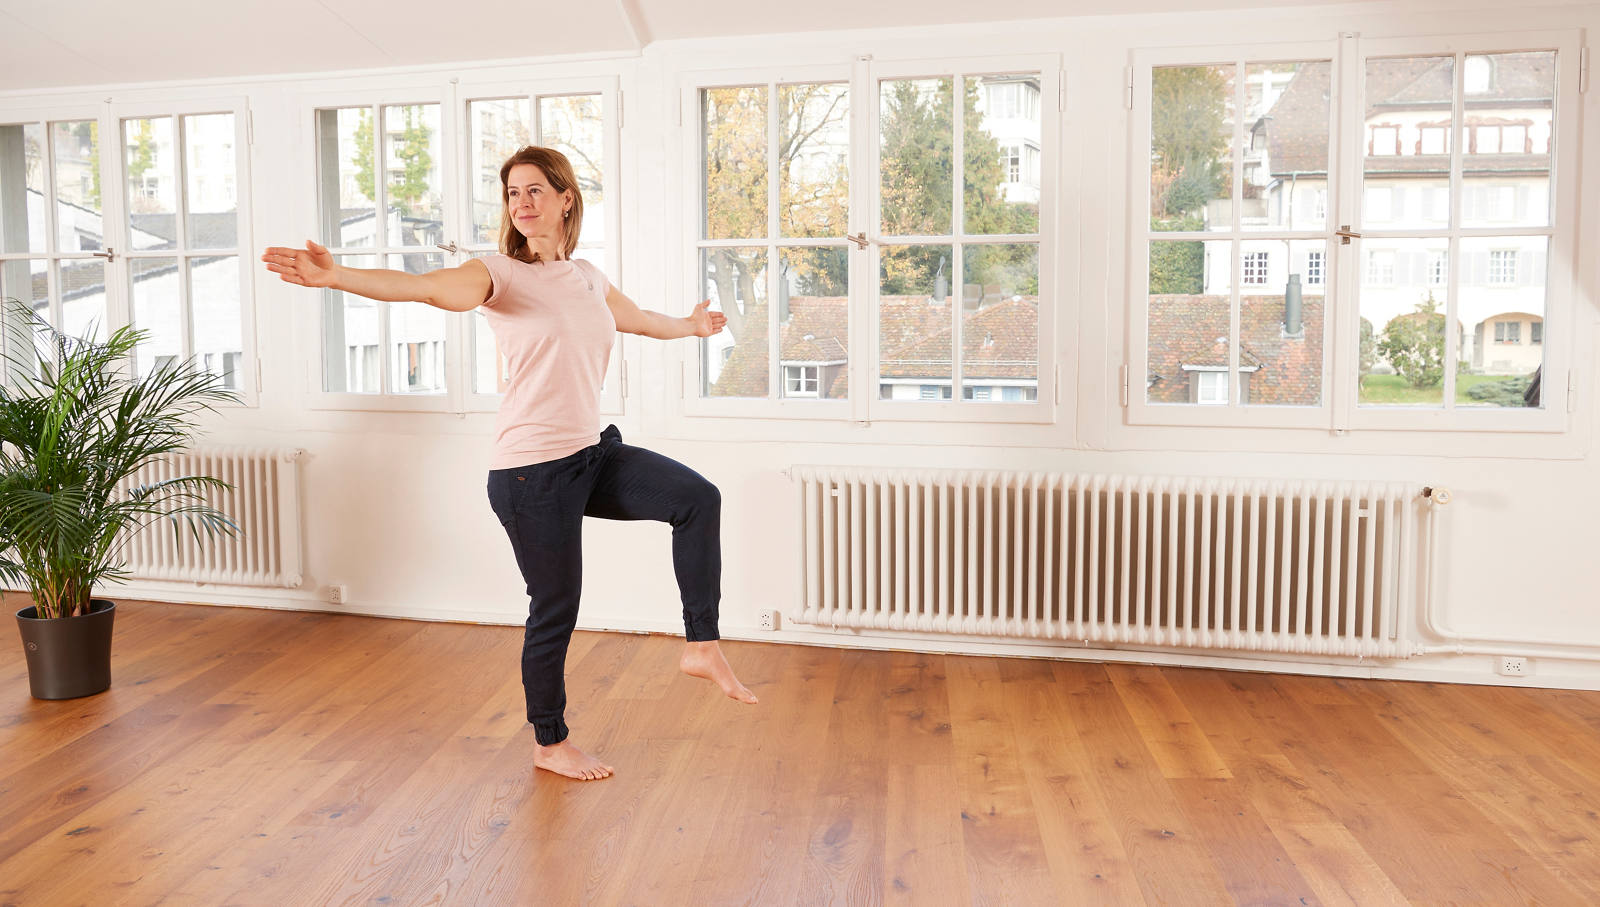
x=553 y=326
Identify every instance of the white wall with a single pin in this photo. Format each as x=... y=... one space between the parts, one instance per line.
x=395 y=506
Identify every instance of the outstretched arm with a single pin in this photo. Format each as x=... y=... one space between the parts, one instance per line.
x=453 y=289
x=701 y=322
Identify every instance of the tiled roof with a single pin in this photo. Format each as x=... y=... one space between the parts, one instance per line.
x=999 y=341
x=1193 y=330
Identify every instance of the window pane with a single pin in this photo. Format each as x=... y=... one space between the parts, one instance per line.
x=1281 y=322
x=572 y=126
x=22 y=189
x=1403 y=322
x=1188 y=327
x=1408 y=101
x=345 y=146
x=352 y=358
x=814 y=321
x=736 y=162
x=734 y=362
x=1502 y=305
x=1506 y=165
x=500 y=128
x=1000 y=141
x=152 y=183
x=25 y=281
x=411 y=155
x=814 y=159
x=218 y=332
x=83 y=297
x=213 y=197
x=915 y=323
x=1287 y=114
x=76 y=148
x=157 y=310
x=1191 y=130
x=916 y=156
x=416 y=335
x=1000 y=323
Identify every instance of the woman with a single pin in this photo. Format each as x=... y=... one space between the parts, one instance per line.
x=554 y=318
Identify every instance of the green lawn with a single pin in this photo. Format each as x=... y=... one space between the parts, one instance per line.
x=1393 y=389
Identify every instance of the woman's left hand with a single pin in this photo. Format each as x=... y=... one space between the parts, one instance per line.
x=704 y=321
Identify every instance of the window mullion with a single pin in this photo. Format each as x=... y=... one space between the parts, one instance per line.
x=958 y=277
x=774 y=252
x=1235 y=395
x=1453 y=228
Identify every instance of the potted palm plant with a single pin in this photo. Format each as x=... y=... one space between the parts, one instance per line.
x=76 y=425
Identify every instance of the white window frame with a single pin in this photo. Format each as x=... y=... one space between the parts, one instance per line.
x=1553 y=416
x=249 y=368
x=613 y=392
x=863 y=405
x=108 y=114
x=1339 y=411
x=452 y=95
x=1138 y=407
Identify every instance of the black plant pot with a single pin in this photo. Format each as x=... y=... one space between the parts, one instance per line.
x=68 y=657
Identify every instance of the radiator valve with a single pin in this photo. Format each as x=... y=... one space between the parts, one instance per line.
x=1440 y=496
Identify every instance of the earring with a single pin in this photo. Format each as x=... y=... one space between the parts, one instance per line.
x=566 y=214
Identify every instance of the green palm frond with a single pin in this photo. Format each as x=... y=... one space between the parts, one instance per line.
x=76 y=426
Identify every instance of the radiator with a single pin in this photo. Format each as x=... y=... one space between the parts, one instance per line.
x=1175 y=562
x=264 y=501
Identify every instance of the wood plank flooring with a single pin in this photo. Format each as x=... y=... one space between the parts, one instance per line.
x=264 y=757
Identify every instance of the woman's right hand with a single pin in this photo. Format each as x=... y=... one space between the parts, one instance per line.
x=309 y=267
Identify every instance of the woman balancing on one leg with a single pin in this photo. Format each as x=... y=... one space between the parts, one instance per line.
x=554 y=318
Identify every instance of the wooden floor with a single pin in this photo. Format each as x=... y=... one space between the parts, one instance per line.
x=257 y=757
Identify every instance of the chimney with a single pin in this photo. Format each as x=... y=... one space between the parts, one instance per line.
x=1291 y=308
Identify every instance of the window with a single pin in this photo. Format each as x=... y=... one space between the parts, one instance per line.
x=1451 y=236
x=1385 y=141
x=800 y=380
x=1314 y=268
x=1502 y=267
x=954 y=286
x=1508 y=332
x=1536 y=332
x=1438 y=268
x=1380 y=267
x=1255 y=268
x=135 y=203
x=390 y=194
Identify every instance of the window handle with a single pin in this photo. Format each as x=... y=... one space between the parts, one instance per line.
x=448 y=246
x=1345 y=235
x=109 y=254
x=860 y=239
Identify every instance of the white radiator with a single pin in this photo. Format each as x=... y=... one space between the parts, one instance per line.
x=264 y=501
x=1249 y=564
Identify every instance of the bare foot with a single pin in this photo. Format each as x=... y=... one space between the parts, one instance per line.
x=565 y=759
x=705 y=659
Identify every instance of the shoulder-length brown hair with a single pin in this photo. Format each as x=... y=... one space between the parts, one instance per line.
x=559 y=174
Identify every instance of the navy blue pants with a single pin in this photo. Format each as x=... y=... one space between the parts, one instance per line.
x=542 y=507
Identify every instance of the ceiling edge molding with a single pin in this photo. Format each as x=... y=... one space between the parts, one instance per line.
x=633 y=19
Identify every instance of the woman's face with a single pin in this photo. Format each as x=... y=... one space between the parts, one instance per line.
x=535 y=208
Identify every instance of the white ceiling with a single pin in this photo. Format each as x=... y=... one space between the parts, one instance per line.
x=58 y=43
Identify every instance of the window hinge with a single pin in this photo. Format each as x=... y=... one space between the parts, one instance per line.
x=1057 y=398
x=1583 y=70
x=1127 y=88
x=622 y=116
x=1125 y=392
x=624 y=373
x=249 y=127
x=680 y=110
x=1061 y=90
x=258 y=374
x=1572 y=390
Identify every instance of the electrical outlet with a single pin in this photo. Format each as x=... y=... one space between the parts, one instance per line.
x=338 y=595
x=768 y=620
x=1512 y=666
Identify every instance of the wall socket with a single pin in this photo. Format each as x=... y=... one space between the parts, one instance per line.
x=338 y=595
x=767 y=620
x=1512 y=666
